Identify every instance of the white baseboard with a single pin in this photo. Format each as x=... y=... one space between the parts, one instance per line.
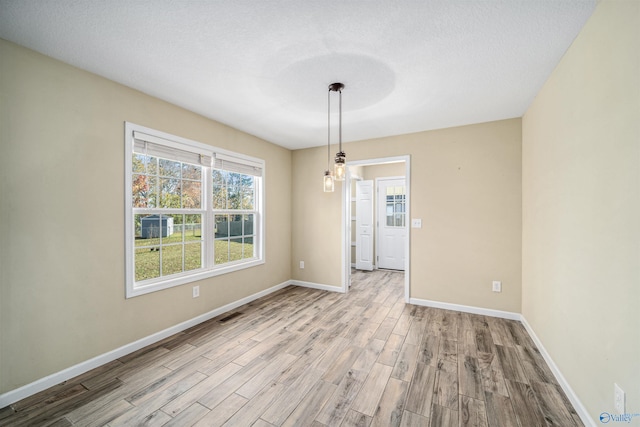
x=577 y=404
x=56 y=378
x=316 y=286
x=466 y=308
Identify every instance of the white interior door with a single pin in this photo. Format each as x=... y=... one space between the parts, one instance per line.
x=392 y=223
x=364 y=225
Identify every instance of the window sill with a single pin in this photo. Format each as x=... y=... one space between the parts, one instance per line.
x=143 y=289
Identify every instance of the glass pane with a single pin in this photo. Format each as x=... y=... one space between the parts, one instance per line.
x=221 y=248
x=389 y=208
x=397 y=220
x=172 y=228
x=137 y=229
x=192 y=256
x=150 y=229
x=152 y=165
x=192 y=228
x=235 y=225
x=389 y=192
x=143 y=191
x=390 y=220
x=147 y=263
x=144 y=164
x=248 y=224
x=247 y=198
x=219 y=197
x=171 y=259
x=191 y=194
x=169 y=168
x=221 y=226
x=235 y=249
x=234 y=197
x=139 y=189
x=218 y=177
x=234 y=179
x=139 y=163
x=248 y=191
x=169 y=193
x=191 y=172
x=152 y=193
x=247 y=249
x=398 y=190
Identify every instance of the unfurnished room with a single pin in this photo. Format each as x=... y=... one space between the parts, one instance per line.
x=320 y=213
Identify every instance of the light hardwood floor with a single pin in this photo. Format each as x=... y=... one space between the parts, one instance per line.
x=303 y=357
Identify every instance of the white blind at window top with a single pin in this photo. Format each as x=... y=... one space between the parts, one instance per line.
x=150 y=145
x=236 y=164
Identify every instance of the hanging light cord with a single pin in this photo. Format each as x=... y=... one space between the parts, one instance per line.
x=340 y=122
x=329 y=129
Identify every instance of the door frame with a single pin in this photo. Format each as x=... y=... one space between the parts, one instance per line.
x=346 y=220
x=377 y=212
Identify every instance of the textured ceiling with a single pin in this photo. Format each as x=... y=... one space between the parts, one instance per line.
x=263 y=66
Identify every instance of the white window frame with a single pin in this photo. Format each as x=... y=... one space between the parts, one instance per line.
x=209 y=269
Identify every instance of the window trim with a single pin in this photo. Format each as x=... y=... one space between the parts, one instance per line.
x=209 y=269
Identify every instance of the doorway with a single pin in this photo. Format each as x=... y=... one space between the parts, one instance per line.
x=401 y=212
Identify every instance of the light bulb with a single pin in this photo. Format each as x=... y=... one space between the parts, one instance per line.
x=339 y=171
x=328 y=182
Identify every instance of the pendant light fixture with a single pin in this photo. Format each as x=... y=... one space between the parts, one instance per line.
x=328 y=174
x=339 y=167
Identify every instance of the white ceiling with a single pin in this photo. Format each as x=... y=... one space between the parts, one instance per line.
x=263 y=66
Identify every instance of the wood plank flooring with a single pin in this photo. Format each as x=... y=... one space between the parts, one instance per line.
x=304 y=357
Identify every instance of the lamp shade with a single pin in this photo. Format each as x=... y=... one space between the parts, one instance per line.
x=328 y=182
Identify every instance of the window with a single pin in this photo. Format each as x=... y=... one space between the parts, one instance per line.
x=395 y=206
x=192 y=211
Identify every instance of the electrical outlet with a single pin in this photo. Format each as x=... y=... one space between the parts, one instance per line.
x=196 y=291
x=301 y=264
x=497 y=286
x=618 y=399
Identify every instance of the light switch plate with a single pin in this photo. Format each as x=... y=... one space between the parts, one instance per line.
x=416 y=223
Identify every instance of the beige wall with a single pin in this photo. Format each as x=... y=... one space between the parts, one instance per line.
x=379 y=171
x=581 y=205
x=316 y=219
x=62 y=217
x=466 y=188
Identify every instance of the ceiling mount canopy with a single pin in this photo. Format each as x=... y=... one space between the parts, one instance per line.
x=336 y=87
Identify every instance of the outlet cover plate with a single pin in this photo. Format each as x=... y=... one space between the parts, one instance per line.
x=618 y=399
x=196 y=291
x=497 y=286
